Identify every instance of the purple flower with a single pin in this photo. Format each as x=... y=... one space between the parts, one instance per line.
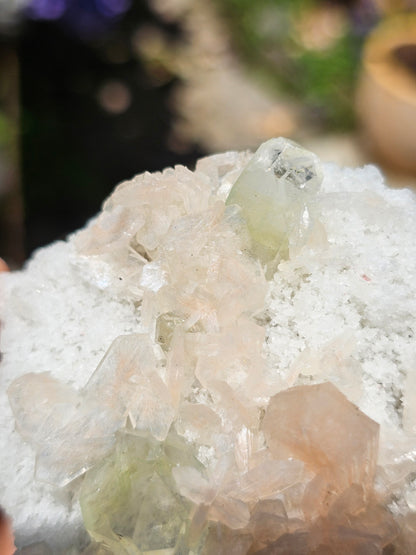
x=87 y=18
x=111 y=8
x=47 y=9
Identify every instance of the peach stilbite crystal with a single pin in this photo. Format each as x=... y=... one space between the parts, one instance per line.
x=318 y=425
x=127 y=383
x=72 y=430
x=68 y=434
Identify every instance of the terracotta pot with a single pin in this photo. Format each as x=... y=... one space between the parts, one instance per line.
x=386 y=97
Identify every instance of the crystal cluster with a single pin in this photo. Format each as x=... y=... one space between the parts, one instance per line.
x=185 y=439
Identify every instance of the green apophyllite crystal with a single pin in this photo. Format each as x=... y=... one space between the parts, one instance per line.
x=274 y=192
x=130 y=503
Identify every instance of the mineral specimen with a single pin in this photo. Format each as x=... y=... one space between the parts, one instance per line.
x=216 y=409
x=275 y=193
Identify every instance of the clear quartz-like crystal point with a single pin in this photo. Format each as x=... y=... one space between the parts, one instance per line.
x=274 y=193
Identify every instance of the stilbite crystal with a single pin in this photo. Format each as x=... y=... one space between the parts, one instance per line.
x=127 y=383
x=72 y=430
x=308 y=422
x=69 y=435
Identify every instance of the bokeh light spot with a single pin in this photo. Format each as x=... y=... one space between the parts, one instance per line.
x=114 y=97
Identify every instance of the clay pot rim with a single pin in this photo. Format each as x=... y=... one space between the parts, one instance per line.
x=379 y=61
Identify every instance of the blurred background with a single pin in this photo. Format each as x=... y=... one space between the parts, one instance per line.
x=94 y=91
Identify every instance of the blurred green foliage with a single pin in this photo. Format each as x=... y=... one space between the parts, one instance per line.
x=6 y=130
x=307 y=49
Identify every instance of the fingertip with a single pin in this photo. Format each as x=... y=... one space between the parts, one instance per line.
x=3 y=266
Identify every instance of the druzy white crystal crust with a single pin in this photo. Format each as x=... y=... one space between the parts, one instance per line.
x=169 y=388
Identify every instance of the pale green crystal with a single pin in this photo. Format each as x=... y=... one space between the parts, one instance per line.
x=130 y=503
x=274 y=193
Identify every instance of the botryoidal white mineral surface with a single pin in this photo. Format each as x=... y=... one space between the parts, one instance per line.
x=223 y=361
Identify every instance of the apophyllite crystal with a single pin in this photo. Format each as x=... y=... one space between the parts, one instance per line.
x=276 y=192
x=215 y=422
